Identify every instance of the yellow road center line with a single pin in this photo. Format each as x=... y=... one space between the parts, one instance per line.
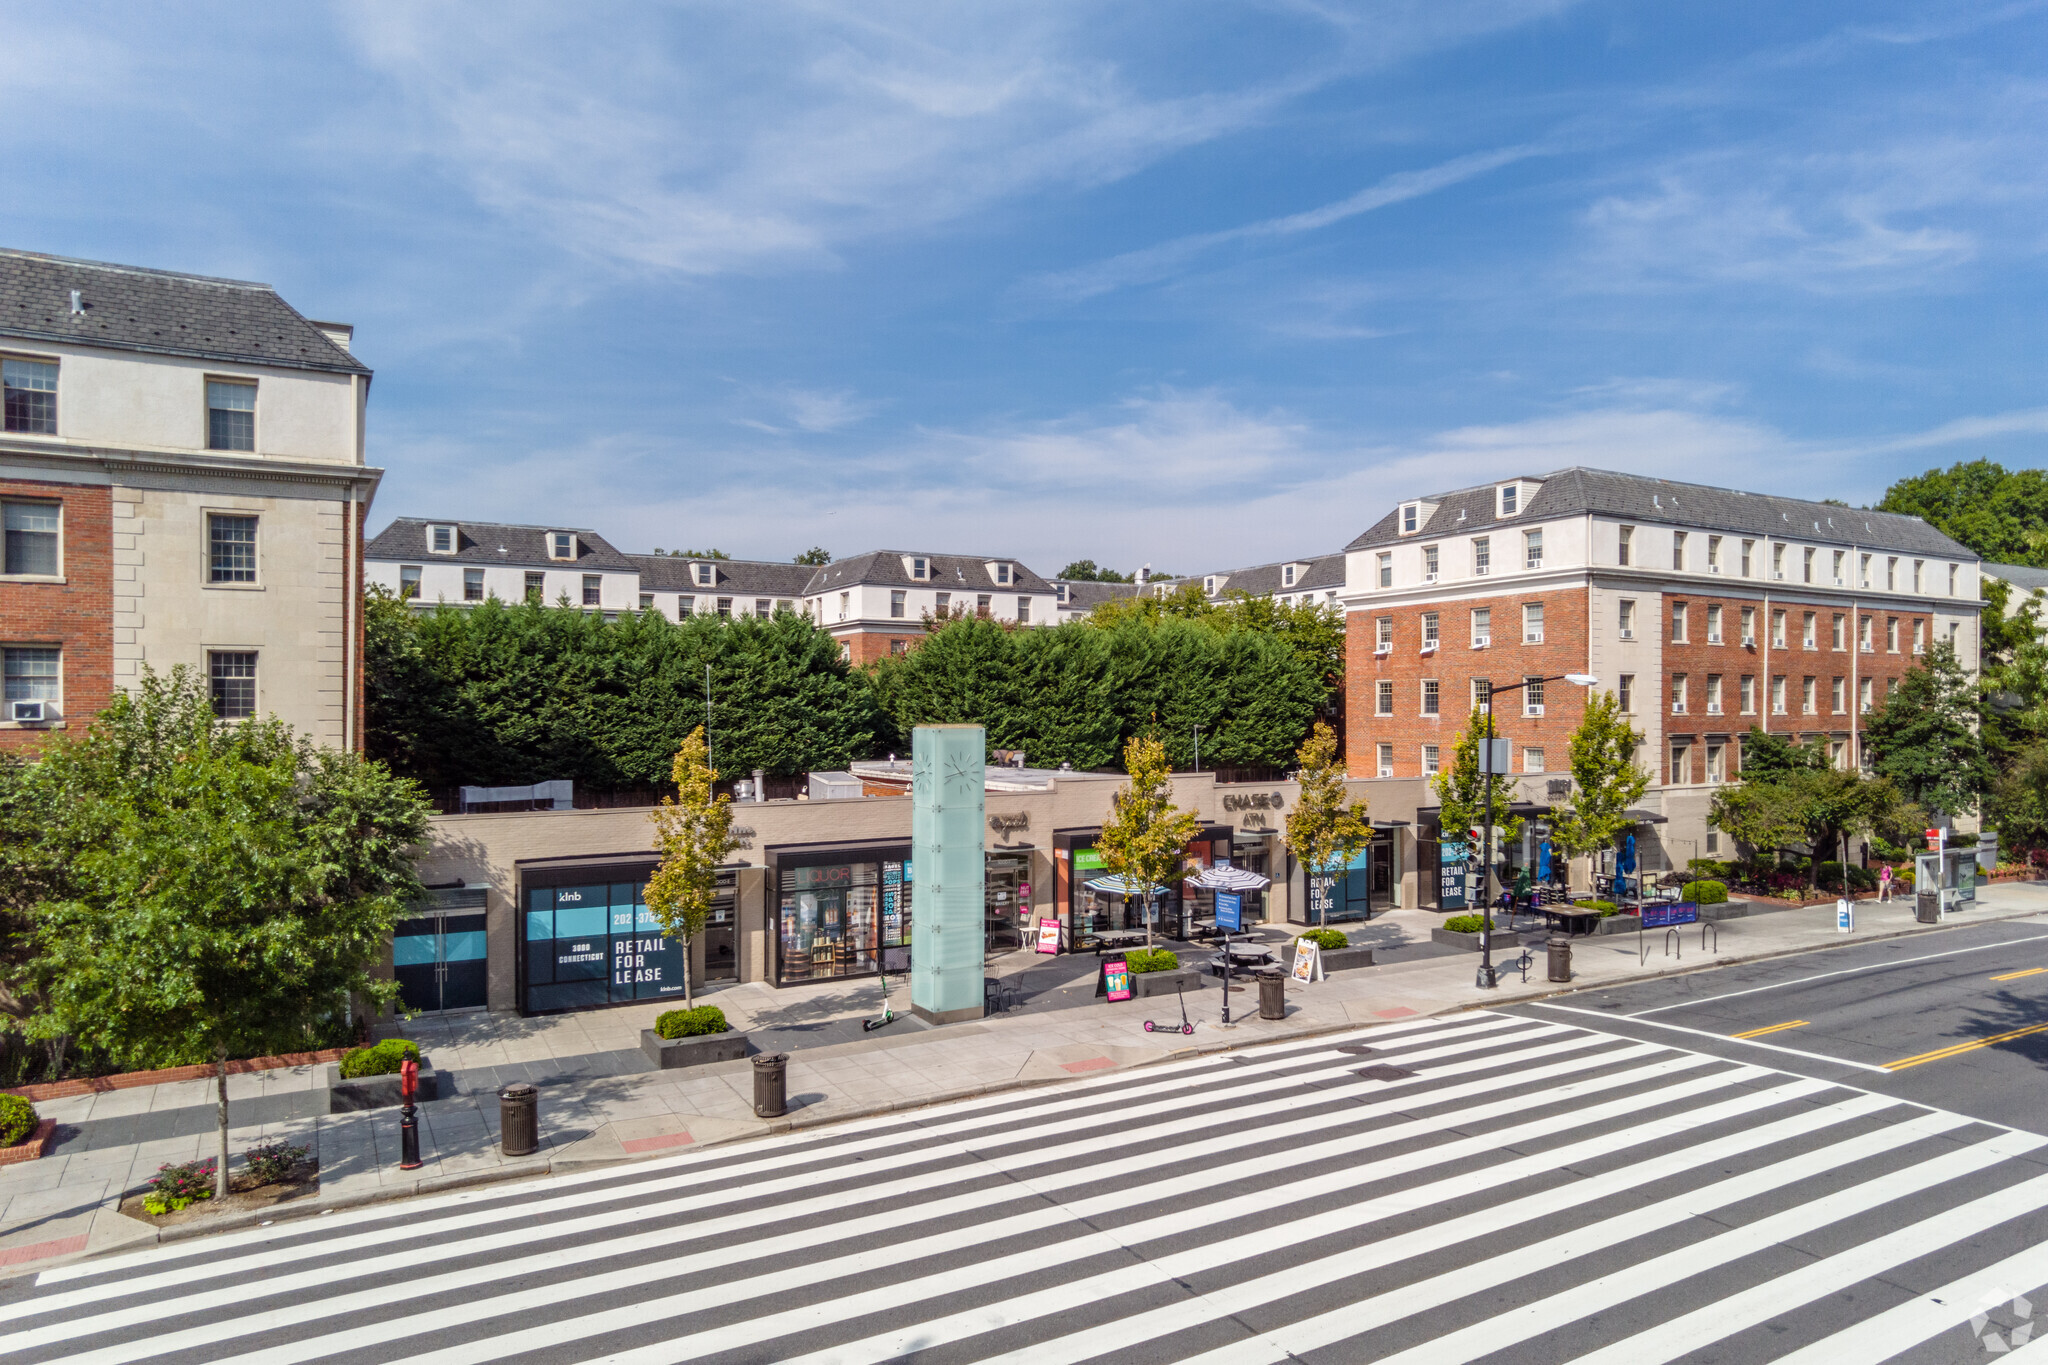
x=1960 y=1048
x=1775 y=1028
x=2014 y=976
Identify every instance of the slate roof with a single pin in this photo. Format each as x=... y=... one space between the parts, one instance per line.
x=2019 y=575
x=968 y=573
x=136 y=309
x=1264 y=580
x=1577 y=491
x=1084 y=595
x=485 y=542
x=740 y=577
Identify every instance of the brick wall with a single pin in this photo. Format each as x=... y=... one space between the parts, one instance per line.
x=868 y=646
x=1454 y=665
x=75 y=615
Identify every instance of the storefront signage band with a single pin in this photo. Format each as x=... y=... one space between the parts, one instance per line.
x=1237 y=801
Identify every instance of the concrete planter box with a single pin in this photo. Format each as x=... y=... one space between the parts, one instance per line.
x=376 y=1092
x=669 y=1053
x=1620 y=924
x=1344 y=959
x=1500 y=938
x=1145 y=985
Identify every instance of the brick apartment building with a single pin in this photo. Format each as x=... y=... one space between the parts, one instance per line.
x=1704 y=610
x=182 y=482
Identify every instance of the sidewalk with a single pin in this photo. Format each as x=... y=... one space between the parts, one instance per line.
x=600 y=1103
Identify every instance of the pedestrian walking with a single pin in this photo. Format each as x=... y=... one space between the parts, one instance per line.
x=1884 y=883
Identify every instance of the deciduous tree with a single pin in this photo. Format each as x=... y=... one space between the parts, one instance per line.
x=1606 y=779
x=693 y=830
x=1324 y=830
x=1146 y=836
x=1924 y=736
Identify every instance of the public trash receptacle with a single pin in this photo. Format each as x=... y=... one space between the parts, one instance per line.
x=771 y=1084
x=1560 y=958
x=1927 y=907
x=1272 y=993
x=518 y=1119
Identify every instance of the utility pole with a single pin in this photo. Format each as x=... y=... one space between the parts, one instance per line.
x=707 y=719
x=1198 y=748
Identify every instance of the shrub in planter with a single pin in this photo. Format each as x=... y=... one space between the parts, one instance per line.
x=691 y=1023
x=176 y=1187
x=274 y=1161
x=1860 y=878
x=1326 y=939
x=17 y=1120
x=1152 y=960
x=1704 y=893
x=381 y=1059
x=1466 y=924
x=1605 y=908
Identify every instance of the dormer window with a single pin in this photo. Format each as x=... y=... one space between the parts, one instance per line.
x=561 y=545
x=920 y=568
x=1411 y=518
x=1061 y=589
x=1510 y=499
x=1209 y=586
x=1287 y=575
x=1002 y=574
x=441 y=540
x=703 y=575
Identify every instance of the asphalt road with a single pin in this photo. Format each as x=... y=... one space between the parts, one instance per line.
x=1957 y=1019
x=1490 y=1186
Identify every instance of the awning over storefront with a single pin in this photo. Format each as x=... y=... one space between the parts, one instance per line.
x=1644 y=817
x=1229 y=879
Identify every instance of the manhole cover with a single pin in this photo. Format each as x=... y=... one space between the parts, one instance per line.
x=1355 y=1049
x=1384 y=1073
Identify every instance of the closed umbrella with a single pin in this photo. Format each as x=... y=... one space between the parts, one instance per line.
x=1625 y=864
x=1543 y=861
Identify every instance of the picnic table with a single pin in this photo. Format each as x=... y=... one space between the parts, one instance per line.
x=1573 y=919
x=1241 y=957
x=1117 y=940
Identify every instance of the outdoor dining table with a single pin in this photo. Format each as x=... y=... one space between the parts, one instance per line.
x=1573 y=919
x=1116 y=940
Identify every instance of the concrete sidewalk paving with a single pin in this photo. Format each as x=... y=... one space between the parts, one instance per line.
x=67 y=1204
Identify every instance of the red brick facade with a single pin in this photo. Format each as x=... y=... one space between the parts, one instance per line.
x=75 y=615
x=1454 y=665
x=866 y=646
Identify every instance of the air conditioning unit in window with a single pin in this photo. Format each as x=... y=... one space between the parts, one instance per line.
x=1481 y=570
x=1626 y=634
x=1532 y=709
x=1713 y=568
x=23 y=711
x=1385 y=647
x=1838 y=580
x=1713 y=709
x=1678 y=708
x=1481 y=641
x=1429 y=646
x=1779 y=575
x=1429 y=578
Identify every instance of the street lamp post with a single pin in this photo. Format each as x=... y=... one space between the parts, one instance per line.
x=1487 y=979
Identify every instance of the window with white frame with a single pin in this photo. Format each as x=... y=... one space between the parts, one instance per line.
x=1777 y=629
x=1023 y=611
x=230 y=414
x=945 y=602
x=1838 y=632
x=1749 y=625
x=1432 y=699
x=647 y=601
x=1678 y=693
x=1839 y=557
x=896 y=599
x=1919 y=637
x=1532 y=696
x=1953 y=570
x=1717 y=763
x=1532 y=549
x=1863 y=571
x=1678 y=550
x=1002 y=575
x=1411 y=518
x=983 y=605
x=1385 y=576
x=1532 y=759
x=685 y=606
x=1891 y=634
x=1286 y=575
x=33 y=673
x=1919 y=575
x=537 y=588
x=231 y=681
x=1681 y=762
x=441 y=540
x=725 y=608
x=1624 y=543
x=28 y=396
x=1806 y=565
x=1429 y=631
x=1430 y=764
x=1383 y=697
x=1807 y=706
x=1625 y=618
x=472 y=585
x=1891 y=573
x=1746 y=694
x=1778 y=694
x=1510 y=499
x=1808 y=635
x=845 y=602
x=1482 y=692
x=1778 y=562
x=1625 y=693
x=1838 y=695
x=764 y=607
x=230 y=548
x=1383 y=639
x=1864 y=640
x=593 y=589
x=1713 y=623
x=1386 y=760
x=706 y=575
x=408 y=582
x=33 y=532
x=1863 y=698
x=1430 y=563
x=561 y=545
x=1713 y=554
x=1713 y=694
x=1482 y=627
x=1482 y=556
x=1532 y=623
x=920 y=568
x=1748 y=552
x=1678 y=623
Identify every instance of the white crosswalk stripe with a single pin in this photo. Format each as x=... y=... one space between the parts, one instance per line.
x=1435 y=1191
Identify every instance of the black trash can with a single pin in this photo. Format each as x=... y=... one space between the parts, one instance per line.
x=771 y=1084
x=518 y=1119
x=1927 y=907
x=1560 y=957
x=1272 y=993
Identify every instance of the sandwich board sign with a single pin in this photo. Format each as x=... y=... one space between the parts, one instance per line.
x=1115 y=980
x=1308 y=961
x=1048 y=936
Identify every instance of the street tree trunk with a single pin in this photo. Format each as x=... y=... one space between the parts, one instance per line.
x=686 y=974
x=220 y=1173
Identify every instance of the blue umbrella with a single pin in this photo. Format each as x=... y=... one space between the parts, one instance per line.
x=1627 y=861
x=1543 y=862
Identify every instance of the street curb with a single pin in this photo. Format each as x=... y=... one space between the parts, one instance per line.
x=798 y=1121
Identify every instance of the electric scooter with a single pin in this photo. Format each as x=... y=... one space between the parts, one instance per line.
x=888 y=1015
x=1153 y=1026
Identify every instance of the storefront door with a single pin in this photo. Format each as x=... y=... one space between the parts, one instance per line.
x=439 y=957
x=721 y=951
x=1004 y=896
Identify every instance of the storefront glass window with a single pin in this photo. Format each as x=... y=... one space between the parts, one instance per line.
x=833 y=919
x=596 y=944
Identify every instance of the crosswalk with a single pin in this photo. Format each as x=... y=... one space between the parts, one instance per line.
x=1482 y=1187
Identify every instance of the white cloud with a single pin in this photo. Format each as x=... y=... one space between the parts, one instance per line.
x=813 y=412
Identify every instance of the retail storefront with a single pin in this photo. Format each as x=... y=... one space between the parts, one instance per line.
x=1086 y=912
x=1363 y=889
x=587 y=938
x=840 y=910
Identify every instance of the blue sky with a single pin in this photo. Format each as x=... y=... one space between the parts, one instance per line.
x=1197 y=285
